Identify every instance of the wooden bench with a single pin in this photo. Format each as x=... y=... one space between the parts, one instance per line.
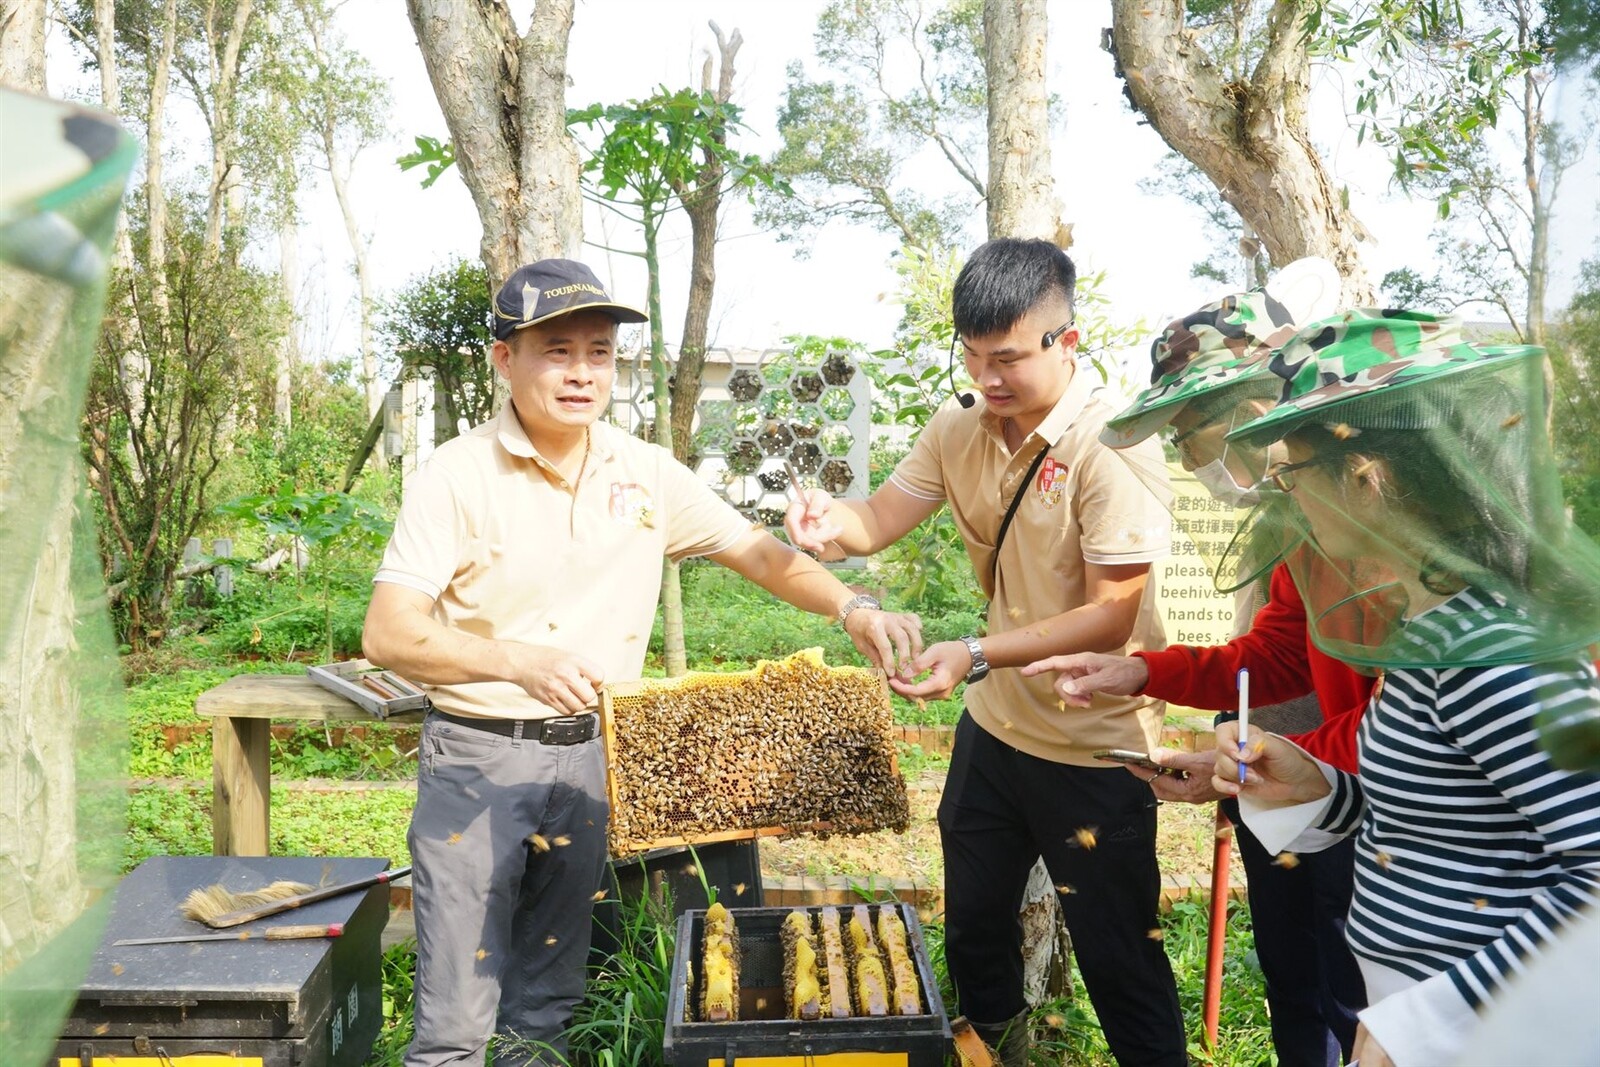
x=242 y=711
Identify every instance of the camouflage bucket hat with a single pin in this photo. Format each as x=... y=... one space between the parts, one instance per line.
x=1222 y=344
x=1370 y=368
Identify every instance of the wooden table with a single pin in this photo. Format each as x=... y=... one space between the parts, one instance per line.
x=242 y=711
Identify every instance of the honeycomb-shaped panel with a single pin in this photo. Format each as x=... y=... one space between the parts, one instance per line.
x=836 y=440
x=835 y=476
x=837 y=403
x=838 y=369
x=806 y=386
x=808 y=408
x=775 y=438
x=807 y=424
x=806 y=458
x=744 y=458
x=744 y=385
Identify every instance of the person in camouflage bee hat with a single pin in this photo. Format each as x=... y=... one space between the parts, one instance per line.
x=1210 y=376
x=1422 y=464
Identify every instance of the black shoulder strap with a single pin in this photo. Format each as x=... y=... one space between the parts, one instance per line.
x=1005 y=523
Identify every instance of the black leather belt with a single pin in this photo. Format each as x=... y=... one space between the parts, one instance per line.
x=562 y=730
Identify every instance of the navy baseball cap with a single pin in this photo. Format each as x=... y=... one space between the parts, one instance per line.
x=551 y=287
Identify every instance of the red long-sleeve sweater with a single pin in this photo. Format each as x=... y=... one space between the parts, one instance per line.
x=1284 y=664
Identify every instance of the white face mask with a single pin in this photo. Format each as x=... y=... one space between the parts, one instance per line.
x=1219 y=482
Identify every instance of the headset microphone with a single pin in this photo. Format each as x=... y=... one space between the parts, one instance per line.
x=966 y=400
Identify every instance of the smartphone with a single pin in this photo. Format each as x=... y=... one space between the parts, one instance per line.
x=1137 y=759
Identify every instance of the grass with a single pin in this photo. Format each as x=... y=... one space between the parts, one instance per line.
x=168 y=821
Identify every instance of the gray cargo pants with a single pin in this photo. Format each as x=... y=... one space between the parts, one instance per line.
x=502 y=927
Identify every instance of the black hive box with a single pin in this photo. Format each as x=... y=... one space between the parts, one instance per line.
x=763 y=1035
x=275 y=1003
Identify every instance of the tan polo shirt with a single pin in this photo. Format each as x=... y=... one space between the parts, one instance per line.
x=1084 y=504
x=512 y=551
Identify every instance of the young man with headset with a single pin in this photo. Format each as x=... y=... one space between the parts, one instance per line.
x=1061 y=533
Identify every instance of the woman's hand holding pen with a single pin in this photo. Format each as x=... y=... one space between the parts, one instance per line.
x=1275 y=769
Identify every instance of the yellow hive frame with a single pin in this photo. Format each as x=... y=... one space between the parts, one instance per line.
x=625 y=698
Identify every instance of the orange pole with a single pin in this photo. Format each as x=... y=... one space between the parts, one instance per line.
x=1217 y=928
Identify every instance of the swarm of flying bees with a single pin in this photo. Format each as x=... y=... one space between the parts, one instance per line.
x=792 y=744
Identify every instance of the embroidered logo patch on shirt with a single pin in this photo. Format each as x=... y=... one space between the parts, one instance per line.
x=1052 y=482
x=632 y=503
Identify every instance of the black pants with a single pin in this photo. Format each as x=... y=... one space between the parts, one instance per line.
x=1314 y=985
x=1002 y=810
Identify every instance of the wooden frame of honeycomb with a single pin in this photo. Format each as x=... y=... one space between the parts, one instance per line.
x=793 y=745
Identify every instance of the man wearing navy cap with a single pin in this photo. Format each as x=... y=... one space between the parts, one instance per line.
x=523 y=574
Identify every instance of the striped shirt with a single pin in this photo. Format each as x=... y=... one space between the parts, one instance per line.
x=1473 y=848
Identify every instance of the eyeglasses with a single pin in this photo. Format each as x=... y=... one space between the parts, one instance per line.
x=1279 y=474
x=1180 y=442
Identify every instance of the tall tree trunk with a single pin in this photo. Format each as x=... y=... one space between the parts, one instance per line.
x=702 y=203
x=1022 y=198
x=1022 y=203
x=504 y=100
x=1539 y=199
x=224 y=201
x=289 y=346
x=155 y=194
x=674 y=650
x=338 y=171
x=1250 y=138
x=22 y=45
x=105 y=34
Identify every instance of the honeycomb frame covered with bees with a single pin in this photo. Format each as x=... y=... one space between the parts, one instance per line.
x=791 y=746
x=786 y=1003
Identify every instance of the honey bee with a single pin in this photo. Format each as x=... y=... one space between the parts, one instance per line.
x=539 y=843
x=1287 y=860
x=1085 y=836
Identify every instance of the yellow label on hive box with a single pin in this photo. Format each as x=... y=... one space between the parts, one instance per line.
x=832 y=1059
x=202 y=1059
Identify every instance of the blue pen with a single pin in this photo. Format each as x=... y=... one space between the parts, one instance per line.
x=1244 y=714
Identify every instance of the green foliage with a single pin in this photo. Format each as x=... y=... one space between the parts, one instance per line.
x=440 y=320
x=905 y=80
x=318 y=517
x=398 y=970
x=655 y=148
x=1436 y=73
x=438 y=156
x=176 y=376
x=168 y=821
x=321 y=520
x=622 y=1018
x=1574 y=344
x=277 y=617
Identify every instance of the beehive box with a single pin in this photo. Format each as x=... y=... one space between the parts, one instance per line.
x=792 y=745
x=761 y=1029
x=267 y=1003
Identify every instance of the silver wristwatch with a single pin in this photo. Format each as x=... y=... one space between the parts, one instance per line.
x=980 y=662
x=860 y=600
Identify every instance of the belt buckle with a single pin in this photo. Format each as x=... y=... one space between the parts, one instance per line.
x=570 y=730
